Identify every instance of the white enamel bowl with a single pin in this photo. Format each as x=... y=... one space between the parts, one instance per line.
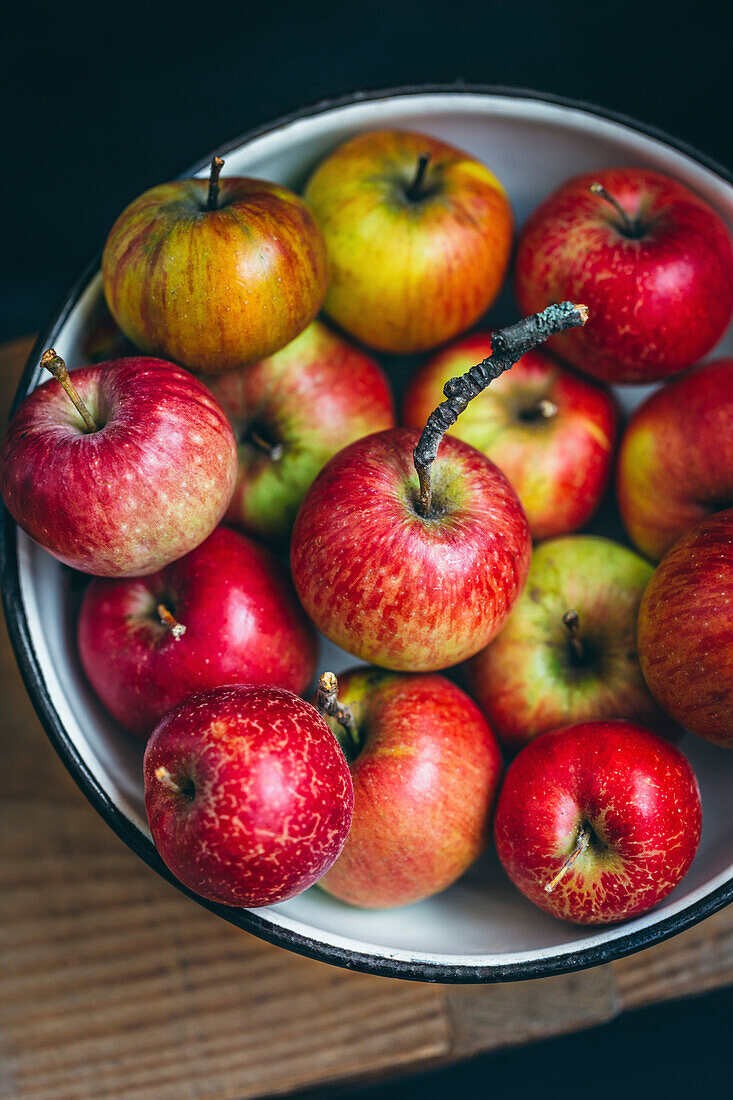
x=481 y=929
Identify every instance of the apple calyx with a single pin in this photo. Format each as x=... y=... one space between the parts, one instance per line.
x=415 y=191
x=177 y=629
x=571 y=622
x=327 y=704
x=56 y=366
x=212 y=201
x=508 y=345
x=628 y=226
x=581 y=845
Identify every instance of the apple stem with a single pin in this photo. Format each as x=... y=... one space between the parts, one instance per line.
x=580 y=847
x=177 y=629
x=274 y=451
x=164 y=776
x=414 y=192
x=547 y=408
x=571 y=622
x=213 y=199
x=56 y=366
x=327 y=704
x=629 y=225
x=508 y=346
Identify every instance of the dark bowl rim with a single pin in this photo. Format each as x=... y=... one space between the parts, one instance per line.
x=250 y=920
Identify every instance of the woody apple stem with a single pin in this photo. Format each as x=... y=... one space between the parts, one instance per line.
x=628 y=225
x=177 y=629
x=327 y=704
x=580 y=847
x=164 y=776
x=213 y=198
x=508 y=345
x=571 y=622
x=56 y=366
x=414 y=192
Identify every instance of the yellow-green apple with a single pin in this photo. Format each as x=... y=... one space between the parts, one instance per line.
x=652 y=260
x=214 y=275
x=248 y=795
x=686 y=630
x=551 y=432
x=418 y=234
x=426 y=769
x=568 y=650
x=598 y=822
x=290 y=414
x=225 y=613
x=676 y=458
x=120 y=468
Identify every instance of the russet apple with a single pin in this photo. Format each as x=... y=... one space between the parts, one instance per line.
x=652 y=261
x=248 y=795
x=598 y=822
x=120 y=468
x=291 y=413
x=418 y=235
x=225 y=613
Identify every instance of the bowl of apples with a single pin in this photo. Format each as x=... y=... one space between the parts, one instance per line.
x=368 y=555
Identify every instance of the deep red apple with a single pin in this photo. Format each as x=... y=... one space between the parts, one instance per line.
x=676 y=458
x=214 y=274
x=225 y=613
x=551 y=432
x=290 y=414
x=686 y=630
x=133 y=477
x=426 y=769
x=247 y=793
x=598 y=822
x=652 y=261
x=418 y=234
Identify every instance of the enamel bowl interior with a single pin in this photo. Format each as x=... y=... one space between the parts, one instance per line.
x=481 y=929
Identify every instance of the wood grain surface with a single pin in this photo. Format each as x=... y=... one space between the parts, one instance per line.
x=113 y=985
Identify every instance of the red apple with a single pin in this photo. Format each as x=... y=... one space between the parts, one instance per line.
x=136 y=478
x=568 y=650
x=426 y=769
x=418 y=234
x=248 y=794
x=551 y=432
x=686 y=630
x=290 y=414
x=225 y=613
x=214 y=275
x=652 y=261
x=598 y=822
x=676 y=459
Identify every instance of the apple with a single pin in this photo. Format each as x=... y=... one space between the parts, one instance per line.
x=418 y=235
x=409 y=548
x=568 y=650
x=248 y=795
x=122 y=470
x=290 y=414
x=214 y=274
x=652 y=261
x=551 y=432
x=598 y=822
x=676 y=458
x=685 y=630
x=425 y=767
x=225 y=613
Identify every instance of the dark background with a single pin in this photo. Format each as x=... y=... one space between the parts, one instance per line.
x=101 y=100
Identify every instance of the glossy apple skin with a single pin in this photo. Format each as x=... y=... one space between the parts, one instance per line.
x=126 y=500
x=405 y=276
x=309 y=400
x=396 y=589
x=559 y=465
x=266 y=799
x=686 y=630
x=657 y=304
x=676 y=458
x=636 y=792
x=243 y=625
x=528 y=680
x=214 y=290
x=425 y=775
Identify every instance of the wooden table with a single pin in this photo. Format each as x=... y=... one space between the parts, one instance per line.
x=113 y=985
